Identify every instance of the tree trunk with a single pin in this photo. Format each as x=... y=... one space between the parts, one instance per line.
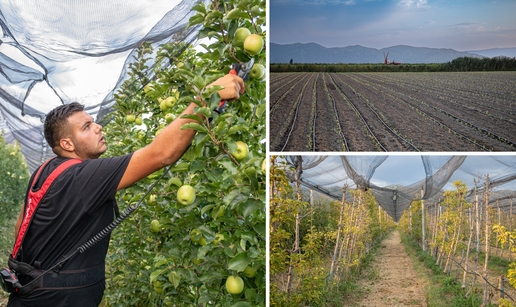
x=290 y=276
x=487 y=237
x=477 y=219
x=467 y=254
x=338 y=237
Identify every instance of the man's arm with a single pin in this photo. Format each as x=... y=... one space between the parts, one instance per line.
x=18 y=223
x=170 y=144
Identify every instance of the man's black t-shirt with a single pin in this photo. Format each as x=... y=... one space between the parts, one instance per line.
x=78 y=205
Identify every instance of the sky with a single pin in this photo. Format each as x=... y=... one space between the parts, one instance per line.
x=463 y=25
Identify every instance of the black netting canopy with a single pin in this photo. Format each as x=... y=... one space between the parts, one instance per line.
x=403 y=182
x=58 y=51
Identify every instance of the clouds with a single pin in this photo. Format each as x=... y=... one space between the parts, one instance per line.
x=414 y=4
x=457 y=24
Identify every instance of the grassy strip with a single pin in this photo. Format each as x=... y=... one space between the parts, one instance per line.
x=346 y=291
x=440 y=290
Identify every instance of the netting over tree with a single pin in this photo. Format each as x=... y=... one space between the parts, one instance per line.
x=328 y=174
x=57 y=52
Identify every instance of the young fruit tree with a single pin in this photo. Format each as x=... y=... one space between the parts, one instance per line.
x=198 y=239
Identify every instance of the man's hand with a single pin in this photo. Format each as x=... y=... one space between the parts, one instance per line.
x=233 y=85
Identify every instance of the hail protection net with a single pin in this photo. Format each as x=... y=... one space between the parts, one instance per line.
x=56 y=52
x=426 y=179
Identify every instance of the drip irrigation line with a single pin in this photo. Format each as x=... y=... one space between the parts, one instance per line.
x=378 y=116
x=295 y=116
x=338 y=122
x=432 y=118
x=487 y=281
x=363 y=120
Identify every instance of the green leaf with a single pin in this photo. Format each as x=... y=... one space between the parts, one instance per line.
x=234 y=129
x=192 y=116
x=237 y=200
x=242 y=304
x=204 y=111
x=239 y=262
x=212 y=89
x=199 y=8
x=194 y=126
x=197 y=19
x=155 y=275
x=206 y=208
x=236 y=13
x=214 y=100
x=229 y=197
x=199 y=82
x=175 y=181
x=232 y=146
x=197 y=165
x=175 y=279
x=181 y=167
x=251 y=206
x=259 y=110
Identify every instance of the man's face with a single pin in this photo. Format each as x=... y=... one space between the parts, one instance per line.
x=87 y=136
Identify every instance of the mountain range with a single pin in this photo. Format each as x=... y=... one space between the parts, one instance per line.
x=315 y=53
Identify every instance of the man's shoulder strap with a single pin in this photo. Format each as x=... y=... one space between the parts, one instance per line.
x=34 y=198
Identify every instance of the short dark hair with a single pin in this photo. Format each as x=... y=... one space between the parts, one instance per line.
x=56 y=121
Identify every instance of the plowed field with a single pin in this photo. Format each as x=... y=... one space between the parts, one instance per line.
x=393 y=111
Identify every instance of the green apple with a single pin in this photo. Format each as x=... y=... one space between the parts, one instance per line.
x=130 y=118
x=195 y=235
x=249 y=272
x=148 y=88
x=241 y=151
x=264 y=165
x=197 y=260
x=169 y=117
x=186 y=195
x=170 y=101
x=202 y=241
x=163 y=105
x=253 y=44
x=257 y=71
x=240 y=35
x=158 y=286
x=155 y=226
x=141 y=135
x=138 y=121
x=152 y=200
x=234 y=285
x=127 y=196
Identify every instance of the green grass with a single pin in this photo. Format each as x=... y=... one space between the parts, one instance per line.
x=440 y=290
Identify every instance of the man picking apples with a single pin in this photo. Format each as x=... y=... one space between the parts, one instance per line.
x=71 y=198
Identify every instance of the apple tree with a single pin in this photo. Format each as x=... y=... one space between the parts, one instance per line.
x=198 y=238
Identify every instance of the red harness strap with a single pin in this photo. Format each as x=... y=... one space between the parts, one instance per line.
x=34 y=198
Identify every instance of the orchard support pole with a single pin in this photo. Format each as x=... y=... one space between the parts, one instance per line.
x=299 y=171
x=338 y=236
x=423 y=220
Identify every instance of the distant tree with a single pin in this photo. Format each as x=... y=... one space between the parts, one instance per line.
x=291 y=61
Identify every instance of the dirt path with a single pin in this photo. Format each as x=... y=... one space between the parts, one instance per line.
x=396 y=282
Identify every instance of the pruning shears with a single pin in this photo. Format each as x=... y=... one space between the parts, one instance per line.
x=241 y=70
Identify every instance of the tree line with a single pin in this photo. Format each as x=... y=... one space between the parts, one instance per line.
x=457 y=65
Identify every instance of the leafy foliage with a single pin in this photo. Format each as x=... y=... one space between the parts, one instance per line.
x=14 y=175
x=196 y=247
